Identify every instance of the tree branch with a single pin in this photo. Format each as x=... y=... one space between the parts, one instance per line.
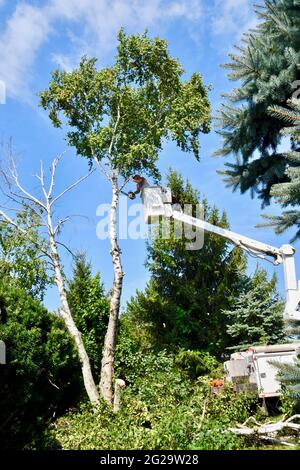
x=53 y=171
x=66 y=248
x=102 y=169
x=10 y=221
x=126 y=180
x=29 y=196
x=114 y=132
x=70 y=187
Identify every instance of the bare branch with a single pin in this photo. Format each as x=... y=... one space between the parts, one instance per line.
x=11 y=222
x=29 y=196
x=60 y=223
x=268 y=431
x=41 y=179
x=110 y=148
x=53 y=171
x=102 y=169
x=53 y=384
x=71 y=187
x=114 y=132
x=66 y=248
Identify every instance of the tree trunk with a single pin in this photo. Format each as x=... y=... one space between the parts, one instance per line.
x=108 y=355
x=88 y=380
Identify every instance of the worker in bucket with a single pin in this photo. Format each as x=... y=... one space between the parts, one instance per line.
x=141 y=183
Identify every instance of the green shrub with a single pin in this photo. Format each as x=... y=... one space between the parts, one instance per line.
x=41 y=377
x=162 y=408
x=196 y=363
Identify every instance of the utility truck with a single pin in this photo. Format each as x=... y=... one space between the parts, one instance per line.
x=252 y=369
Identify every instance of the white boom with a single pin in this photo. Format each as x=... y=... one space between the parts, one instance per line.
x=157 y=203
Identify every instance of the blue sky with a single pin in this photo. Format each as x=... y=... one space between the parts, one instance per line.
x=38 y=36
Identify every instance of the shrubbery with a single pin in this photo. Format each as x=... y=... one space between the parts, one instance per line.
x=162 y=408
x=42 y=376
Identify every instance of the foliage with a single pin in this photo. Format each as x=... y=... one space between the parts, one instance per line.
x=89 y=307
x=162 y=409
x=183 y=302
x=266 y=66
x=256 y=316
x=20 y=261
x=196 y=362
x=288 y=193
x=123 y=113
x=42 y=375
x=289 y=375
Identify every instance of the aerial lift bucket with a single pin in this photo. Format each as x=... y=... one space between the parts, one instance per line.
x=157 y=203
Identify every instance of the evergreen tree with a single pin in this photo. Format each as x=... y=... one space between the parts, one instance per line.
x=289 y=374
x=256 y=317
x=288 y=193
x=90 y=308
x=183 y=303
x=266 y=66
x=41 y=377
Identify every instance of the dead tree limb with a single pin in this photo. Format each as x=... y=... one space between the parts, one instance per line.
x=45 y=207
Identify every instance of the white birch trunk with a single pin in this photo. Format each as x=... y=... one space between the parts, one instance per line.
x=108 y=354
x=65 y=312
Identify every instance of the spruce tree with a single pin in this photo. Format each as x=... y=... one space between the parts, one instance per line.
x=89 y=306
x=289 y=375
x=288 y=193
x=256 y=316
x=183 y=302
x=266 y=66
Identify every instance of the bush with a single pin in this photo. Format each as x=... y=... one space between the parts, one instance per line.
x=42 y=375
x=162 y=408
x=196 y=363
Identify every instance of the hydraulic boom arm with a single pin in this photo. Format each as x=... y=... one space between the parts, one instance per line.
x=157 y=203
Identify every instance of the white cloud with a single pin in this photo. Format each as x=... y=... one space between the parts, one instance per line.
x=102 y=19
x=25 y=32
x=233 y=17
x=90 y=26
x=98 y=21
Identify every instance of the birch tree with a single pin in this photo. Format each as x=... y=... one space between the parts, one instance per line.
x=118 y=118
x=42 y=210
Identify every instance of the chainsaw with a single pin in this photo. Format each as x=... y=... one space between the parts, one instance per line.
x=131 y=194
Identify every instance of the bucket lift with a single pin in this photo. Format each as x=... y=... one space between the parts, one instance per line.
x=157 y=202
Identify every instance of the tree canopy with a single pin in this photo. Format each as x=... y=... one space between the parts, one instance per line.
x=21 y=262
x=266 y=67
x=121 y=114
